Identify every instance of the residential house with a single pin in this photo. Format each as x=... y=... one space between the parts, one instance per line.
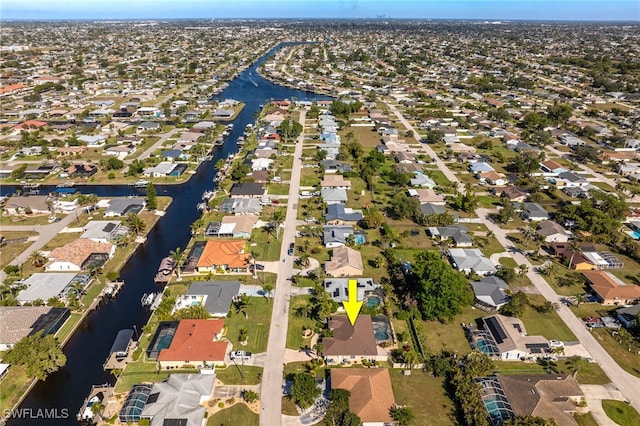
x=122 y=206
x=570 y=179
x=490 y=293
x=456 y=233
x=371 y=393
x=334 y=195
x=18 y=322
x=93 y=141
x=335 y=166
x=196 y=343
x=240 y=206
x=44 y=286
x=338 y=214
x=509 y=336
x=224 y=255
x=119 y=151
x=162 y=169
x=610 y=289
x=81 y=170
x=351 y=343
x=78 y=255
x=429 y=209
x=556 y=396
x=215 y=296
x=470 y=260
x=335 y=181
x=511 y=192
x=338 y=288
x=149 y=126
x=345 y=262
x=492 y=178
x=552 y=232
x=336 y=235
x=426 y=195
x=179 y=400
x=628 y=315
x=480 y=167
x=104 y=231
x=261 y=164
x=36 y=204
x=248 y=190
x=422 y=180
x=236 y=227
x=534 y=212
x=552 y=167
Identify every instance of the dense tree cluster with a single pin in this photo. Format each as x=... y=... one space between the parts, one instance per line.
x=338 y=413
x=42 y=355
x=304 y=390
x=601 y=214
x=343 y=109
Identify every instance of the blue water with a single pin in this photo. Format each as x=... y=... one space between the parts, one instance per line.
x=373 y=301
x=88 y=348
x=635 y=235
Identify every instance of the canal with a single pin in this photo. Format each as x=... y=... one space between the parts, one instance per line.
x=87 y=350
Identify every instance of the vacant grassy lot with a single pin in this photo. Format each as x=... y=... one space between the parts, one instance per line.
x=267 y=248
x=294 y=332
x=425 y=395
x=13 y=385
x=548 y=325
x=239 y=414
x=621 y=412
x=257 y=325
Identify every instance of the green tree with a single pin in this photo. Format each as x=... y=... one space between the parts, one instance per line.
x=135 y=223
x=37 y=259
x=277 y=218
x=403 y=206
x=178 y=256
x=250 y=396
x=402 y=415
x=152 y=197
x=440 y=291
x=42 y=355
x=192 y=312
x=525 y=420
x=516 y=306
x=304 y=390
x=114 y=163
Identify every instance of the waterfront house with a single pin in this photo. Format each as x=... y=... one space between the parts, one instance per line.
x=371 y=393
x=215 y=296
x=37 y=204
x=81 y=170
x=179 y=400
x=44 y=286
x=164 y=168
x=345 y=262
x=197 y=344
x=224 y=255
x=104 y=231
x=234 y=227
x=78 y=255
x=247 y=190
x=18 y=322
x=121 y=206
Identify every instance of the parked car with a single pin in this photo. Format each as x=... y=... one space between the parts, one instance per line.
x=259 y=267
x=591 y=325
x=556 y=344
x=291 y=248
x=240 y=355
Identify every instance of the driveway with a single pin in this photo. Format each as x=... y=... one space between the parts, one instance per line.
x=594 y=394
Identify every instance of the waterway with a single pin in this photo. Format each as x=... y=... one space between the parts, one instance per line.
x=87 y=350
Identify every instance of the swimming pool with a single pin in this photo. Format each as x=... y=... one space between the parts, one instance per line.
x=381 y=329
x=373 y=301
x=635 y=235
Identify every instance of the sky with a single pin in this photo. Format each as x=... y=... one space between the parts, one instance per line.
x=564 y=10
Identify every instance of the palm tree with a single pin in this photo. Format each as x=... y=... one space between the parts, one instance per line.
x=304 y=260
x=37 y=259
x=197 y=227
x=268 y=288
x=135 y=224
x=318 y=348
x=574 y=246
x=277 y=218
x=411 y=358
x=220 y=164
x=241 y=304
x=528 y=233
x=177 y=255
x=522 y=271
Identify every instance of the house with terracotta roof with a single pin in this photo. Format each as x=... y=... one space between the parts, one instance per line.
x=345 y=262
x=225 y=255
x=195 y=343
x=78 y=255
x=351 y=344
x=335 y=181
x=610 y=289
x=371 y=393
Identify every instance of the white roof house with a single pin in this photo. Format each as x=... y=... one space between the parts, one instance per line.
x=471 y=260
x=44 y=286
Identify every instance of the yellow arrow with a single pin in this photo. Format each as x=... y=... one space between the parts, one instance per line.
x=353 y=305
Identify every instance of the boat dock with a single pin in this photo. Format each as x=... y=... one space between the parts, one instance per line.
x=165 y=270
x=99 y=394
x=112 y=289
x=121 y=352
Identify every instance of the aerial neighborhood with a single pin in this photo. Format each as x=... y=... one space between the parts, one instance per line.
x=333 y=223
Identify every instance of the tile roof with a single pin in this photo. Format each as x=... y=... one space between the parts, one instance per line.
x=371 y=392
x=16 y=322
x=194 y=340
x=77 y=251
x=344 y=256
x=224 y=252
x=609 y=287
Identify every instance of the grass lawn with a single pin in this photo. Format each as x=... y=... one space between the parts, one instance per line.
x=11 y=251
x=310 y=177
x=294 y=332
x=548 y=325
x=621 y=412
x=508 y=262
x=278 y=189
x=139 y=372
x=437 y=336
x=585 y=419
x=238 y=414
x=625 y=359
x=257 y=325
x=60 y=240
x=24 y=220
x=66 y=328
x=425 y=395
x=267 y=248
x=93 y=291
x=13 y=385
x=589 y=373
x=231 y=374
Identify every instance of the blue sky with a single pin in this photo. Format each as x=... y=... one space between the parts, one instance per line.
x=571 y=10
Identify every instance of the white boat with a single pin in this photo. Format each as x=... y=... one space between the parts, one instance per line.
x=207 y=195
x=147 y=299
x=240 y=140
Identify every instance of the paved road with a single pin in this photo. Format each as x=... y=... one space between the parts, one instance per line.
x=46 y=233
x=272 y=378
x=628 y=384
x=163 y=138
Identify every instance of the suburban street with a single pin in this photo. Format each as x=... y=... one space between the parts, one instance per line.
x=272 y=378
x=46 y=233
x=628 y=384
